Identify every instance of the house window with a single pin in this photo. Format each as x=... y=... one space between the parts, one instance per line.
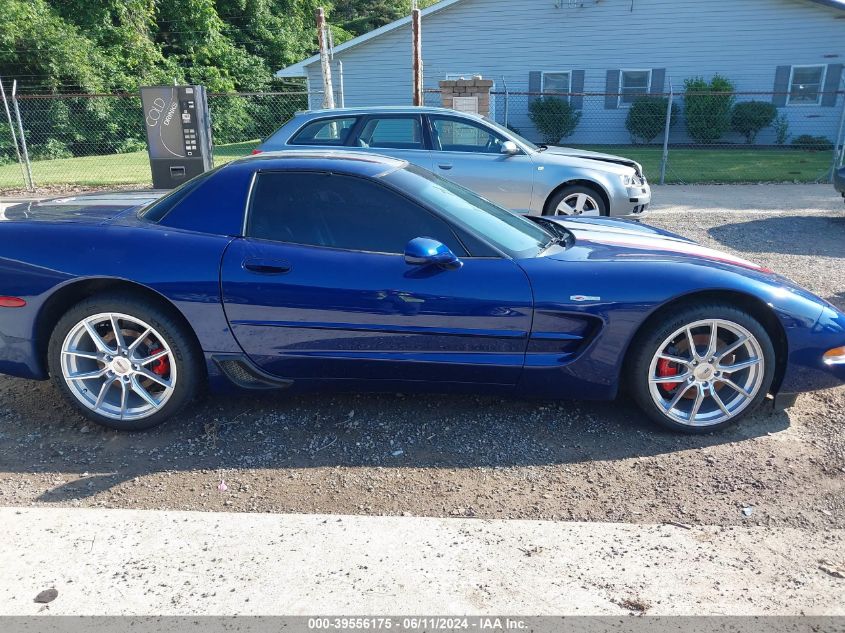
x=557 y=82
x=633 y=84
x=805 y=85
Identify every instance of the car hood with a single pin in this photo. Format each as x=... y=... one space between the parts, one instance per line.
x=89 y=208
x=554 y=151
x=604 y=239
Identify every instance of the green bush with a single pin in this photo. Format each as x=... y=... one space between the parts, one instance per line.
x=554 y=118
x=781 y=129
x=51 y=150
x=647 y=118
x=129 y=145
x=708 y=107
x=817 y=143
x=749 y=117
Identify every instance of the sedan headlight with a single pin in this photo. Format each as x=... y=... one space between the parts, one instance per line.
x=629 y=180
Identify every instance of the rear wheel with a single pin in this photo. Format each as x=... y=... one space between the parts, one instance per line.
x=124 y=363
x=576 y=200
x=702 y=368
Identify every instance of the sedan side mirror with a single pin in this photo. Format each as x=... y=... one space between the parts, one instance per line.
x=510 y=148
x=424 y=251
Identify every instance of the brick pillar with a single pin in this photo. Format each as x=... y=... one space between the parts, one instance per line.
x=462 y=88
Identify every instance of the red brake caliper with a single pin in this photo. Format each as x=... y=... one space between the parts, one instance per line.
x=162 y=366
x=667 y=368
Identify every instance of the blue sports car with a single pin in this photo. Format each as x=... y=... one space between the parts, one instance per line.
x=307 y=269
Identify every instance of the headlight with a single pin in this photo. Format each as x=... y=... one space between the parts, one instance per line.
x=629 y=180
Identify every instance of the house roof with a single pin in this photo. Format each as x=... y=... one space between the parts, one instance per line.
x=298 y=69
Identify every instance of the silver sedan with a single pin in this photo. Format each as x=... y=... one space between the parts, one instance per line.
x=479 y=154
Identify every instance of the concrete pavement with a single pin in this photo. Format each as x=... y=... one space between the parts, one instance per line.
x=127 y=562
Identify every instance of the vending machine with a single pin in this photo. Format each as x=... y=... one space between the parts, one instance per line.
x=178 y=133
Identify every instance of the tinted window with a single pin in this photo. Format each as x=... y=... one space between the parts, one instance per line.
x=457 y=135
x=338 y=211
x=325 y=132
x=508 y=231
x=392 y=133
x=156 y=211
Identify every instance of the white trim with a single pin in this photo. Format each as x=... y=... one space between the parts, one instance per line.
x=622 y=71
x=298 y=69
x=821 y=85
x=543 y=74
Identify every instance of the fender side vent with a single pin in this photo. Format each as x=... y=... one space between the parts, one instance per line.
x=246 y=375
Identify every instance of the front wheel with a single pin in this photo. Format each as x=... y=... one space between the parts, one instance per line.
x=124 y=363
x=576 y=200
x=702 y=368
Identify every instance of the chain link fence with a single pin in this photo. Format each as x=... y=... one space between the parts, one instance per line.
x=98 y=140
x=696 y=137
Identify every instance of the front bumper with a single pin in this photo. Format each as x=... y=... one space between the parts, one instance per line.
x=632 y=201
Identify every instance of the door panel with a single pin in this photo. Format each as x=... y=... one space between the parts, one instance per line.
x=469 y=154
x=321 y=313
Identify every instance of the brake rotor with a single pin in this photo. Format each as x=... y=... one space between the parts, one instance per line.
x=667 y=368
x=161 y=367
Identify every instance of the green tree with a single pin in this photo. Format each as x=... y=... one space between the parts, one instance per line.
x=647 y=118
x=708 y=107
x=749 y=117
x=554 y=118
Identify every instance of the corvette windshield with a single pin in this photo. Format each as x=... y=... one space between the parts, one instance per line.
x=510 y=232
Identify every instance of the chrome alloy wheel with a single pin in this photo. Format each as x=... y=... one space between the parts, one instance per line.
x=118 y=366
x=706 y=372
x=578 y=204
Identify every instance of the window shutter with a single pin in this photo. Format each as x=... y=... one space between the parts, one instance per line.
x=658 y=81
x=577 y=86
x=611 y=88
x=781 y=85
x=831 y=84
x=535 y=80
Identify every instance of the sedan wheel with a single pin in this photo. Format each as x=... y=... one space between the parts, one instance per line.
x=701 y=368
x=123 y=362
x=118 y=366
x=578 y=204
x=576 y=200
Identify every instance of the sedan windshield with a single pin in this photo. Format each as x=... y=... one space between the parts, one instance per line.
x=509 y=232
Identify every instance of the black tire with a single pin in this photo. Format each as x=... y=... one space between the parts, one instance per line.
x=594 y=194
x=645 y=346
x=189 y=361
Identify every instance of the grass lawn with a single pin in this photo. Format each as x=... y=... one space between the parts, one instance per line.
x=688 y=165
x=685 y=165
x=115 y=169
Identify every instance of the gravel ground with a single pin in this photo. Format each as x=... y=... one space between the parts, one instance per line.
x=474 y=456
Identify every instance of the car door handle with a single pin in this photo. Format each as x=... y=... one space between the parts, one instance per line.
x=445 y=165
x=266 y=266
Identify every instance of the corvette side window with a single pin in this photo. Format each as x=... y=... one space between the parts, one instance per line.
x=337 y=211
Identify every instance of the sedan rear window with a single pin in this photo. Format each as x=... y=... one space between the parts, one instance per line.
x=331 y=132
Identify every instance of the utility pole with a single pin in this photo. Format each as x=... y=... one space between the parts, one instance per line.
x=417 y=57
x=325 y=65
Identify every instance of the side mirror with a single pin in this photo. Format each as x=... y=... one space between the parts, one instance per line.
x=510 y=148
x=424 y=251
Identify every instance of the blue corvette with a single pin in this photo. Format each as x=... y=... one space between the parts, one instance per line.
x=306 y=270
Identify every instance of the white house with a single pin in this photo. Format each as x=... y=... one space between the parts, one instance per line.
x=606 y=52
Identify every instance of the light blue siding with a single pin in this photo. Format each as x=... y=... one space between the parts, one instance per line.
x=745 y=40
